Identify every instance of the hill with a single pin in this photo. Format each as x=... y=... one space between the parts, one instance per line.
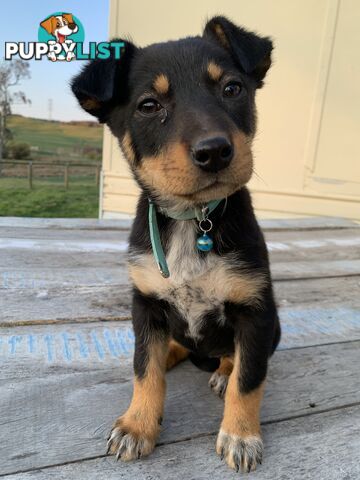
x=53 y=139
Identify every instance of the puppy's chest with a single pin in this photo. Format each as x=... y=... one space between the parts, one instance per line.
x=198 y=285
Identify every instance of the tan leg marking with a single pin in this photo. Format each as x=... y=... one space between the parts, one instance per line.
x=134 y=434
x=177 y=353
x=239 y=440
x=219 y=379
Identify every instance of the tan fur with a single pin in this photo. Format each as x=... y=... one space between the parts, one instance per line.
x=241 y=411
x=177 y=353
x=226 y=366
x=90 y=104
x=161 y=84
x=219 y=32
x=221 y=282
x=143 y=417
x=215 y=71
x=126 y=144
x=172 y=174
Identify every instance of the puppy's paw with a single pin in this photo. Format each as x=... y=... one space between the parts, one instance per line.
x=218 y=383
x=128 y=443
x=240 y=453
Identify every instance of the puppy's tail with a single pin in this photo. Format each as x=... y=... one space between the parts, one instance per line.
x=205 y=363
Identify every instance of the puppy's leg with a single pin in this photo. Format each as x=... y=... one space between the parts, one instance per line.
x=239 y=439
x=134 y=434
x=177 y=353
x=219 y=379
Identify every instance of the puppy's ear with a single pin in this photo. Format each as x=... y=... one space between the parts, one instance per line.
x=48 y=24
x=103 y=84
x=251 y=52
x=68 y=17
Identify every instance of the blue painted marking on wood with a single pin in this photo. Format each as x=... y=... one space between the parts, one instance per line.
x=98 y=347
x=13 y=340
x=66 y=349
x=131 y=335
x=49 y=343
x=123 y=346
x=31 y=343
x=110 y=342
x=83 y=348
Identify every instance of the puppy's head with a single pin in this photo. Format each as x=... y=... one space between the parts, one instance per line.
x=183 y=111
x=60 y=26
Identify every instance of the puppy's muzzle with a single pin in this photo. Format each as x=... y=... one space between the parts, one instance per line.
x=212 y=154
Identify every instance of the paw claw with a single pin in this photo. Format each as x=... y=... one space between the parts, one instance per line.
x=218 y=383
x=240 y=453
x=128 y=445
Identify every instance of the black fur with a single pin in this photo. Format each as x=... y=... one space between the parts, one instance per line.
x=193 y=105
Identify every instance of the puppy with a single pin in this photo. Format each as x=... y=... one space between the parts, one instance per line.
x=184 y=114
x=60 y=26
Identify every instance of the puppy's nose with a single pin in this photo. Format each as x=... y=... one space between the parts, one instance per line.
x=72 y=26
x=212 y=154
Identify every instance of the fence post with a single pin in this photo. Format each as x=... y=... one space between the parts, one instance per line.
x=66 y=176
x=30 y=175
x=97 y=176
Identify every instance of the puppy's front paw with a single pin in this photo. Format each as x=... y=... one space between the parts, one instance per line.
x=218 y=383
x=128 y=442
x=240 y=453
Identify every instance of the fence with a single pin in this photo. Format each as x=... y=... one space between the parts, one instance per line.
x=65 y=167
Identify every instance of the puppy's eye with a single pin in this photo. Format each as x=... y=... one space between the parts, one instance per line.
x=149 y=107
x=232 y=89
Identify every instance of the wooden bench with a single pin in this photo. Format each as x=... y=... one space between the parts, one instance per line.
x=66 y=348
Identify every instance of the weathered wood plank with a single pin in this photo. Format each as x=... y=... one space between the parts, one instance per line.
x=93 y=223
x=72 y=408
x=65 y=223
x=314 y=311
x=325 y=447
x=28 y=261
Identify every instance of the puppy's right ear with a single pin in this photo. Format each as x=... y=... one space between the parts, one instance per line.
x=103 y=84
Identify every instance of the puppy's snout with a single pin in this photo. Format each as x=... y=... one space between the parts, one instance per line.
x=72 y=26
x=212 y=154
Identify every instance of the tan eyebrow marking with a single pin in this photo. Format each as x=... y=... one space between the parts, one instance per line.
x=161 y=84
x=215 y=71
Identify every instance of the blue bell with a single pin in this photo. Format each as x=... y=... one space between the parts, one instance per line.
x=204 y=243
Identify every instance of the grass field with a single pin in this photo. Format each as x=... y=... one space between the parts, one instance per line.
x=52 y=138
x=52 y=142
x=49 y=198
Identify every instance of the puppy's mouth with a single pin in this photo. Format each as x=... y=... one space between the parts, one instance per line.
x=213 y=186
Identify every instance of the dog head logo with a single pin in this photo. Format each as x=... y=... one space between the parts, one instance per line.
x=61 y=31
x=60 y=26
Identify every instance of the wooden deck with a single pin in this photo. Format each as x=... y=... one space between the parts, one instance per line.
x=66 y=347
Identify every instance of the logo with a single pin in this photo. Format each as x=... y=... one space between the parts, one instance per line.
x=61 y=38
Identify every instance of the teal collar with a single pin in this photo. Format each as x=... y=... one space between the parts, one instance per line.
x=189 y=214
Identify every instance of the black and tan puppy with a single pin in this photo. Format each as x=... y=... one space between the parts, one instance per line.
x=184 y=113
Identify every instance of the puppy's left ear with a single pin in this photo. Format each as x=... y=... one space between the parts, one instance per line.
x=250 y=52
x=103 y=83
x=68 y=17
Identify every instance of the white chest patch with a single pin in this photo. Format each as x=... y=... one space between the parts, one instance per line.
x=197 y=284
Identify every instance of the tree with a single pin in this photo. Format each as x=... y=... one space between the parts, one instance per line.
x=11 y=74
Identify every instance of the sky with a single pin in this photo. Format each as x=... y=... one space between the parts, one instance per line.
x=51 y=80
